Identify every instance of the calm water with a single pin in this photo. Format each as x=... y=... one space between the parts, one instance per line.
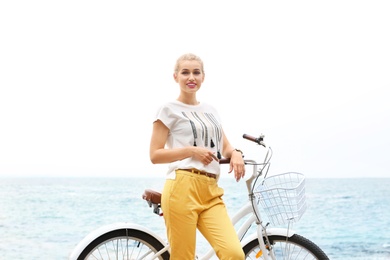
x=44 y=218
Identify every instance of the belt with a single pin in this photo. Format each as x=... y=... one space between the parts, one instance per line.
x=210 y=175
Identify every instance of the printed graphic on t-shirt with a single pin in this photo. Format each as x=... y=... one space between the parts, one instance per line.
x=205 y=129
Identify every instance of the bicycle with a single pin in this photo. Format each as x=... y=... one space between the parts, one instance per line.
x=281 y=196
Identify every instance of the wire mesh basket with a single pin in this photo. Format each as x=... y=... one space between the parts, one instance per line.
x=282 y=197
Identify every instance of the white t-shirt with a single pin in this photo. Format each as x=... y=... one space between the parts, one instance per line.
x=192 y=125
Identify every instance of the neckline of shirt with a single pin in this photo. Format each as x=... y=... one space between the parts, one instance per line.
x=188 y=105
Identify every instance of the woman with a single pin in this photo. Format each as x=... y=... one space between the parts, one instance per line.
x=188 y=135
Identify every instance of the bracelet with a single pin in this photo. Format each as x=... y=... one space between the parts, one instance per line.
x=238 y=150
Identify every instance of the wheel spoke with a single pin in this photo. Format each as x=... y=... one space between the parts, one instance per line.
x=124 y=245
x=294 y=248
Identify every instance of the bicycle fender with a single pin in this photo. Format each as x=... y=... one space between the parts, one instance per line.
x=270 y=232
x=105 y=229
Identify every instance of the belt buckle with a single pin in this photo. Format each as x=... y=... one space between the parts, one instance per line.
x=195 y=171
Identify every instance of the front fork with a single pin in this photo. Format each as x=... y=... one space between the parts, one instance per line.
x=265 y=247
x=264 y=243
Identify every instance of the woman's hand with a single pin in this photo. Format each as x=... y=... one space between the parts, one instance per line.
x=236 y=161
x=237 y=165
x=204 y=155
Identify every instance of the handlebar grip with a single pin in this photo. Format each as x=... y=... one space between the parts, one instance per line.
x=250 y=138
x=224 y=161
x=259 y=140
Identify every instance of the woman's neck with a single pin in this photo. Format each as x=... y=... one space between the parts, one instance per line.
x=189 y=100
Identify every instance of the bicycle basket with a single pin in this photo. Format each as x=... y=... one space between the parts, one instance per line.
x=282 y=197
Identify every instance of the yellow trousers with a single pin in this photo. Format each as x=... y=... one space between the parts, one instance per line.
x=194 y=201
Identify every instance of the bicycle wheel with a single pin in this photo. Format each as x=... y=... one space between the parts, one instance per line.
x=292 y=248
x=123 y=244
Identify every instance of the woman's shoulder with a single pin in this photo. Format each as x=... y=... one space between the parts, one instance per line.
x=169 y=107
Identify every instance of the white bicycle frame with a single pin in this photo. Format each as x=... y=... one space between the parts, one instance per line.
x=250 y=208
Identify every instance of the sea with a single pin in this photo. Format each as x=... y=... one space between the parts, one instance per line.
x=45 y=218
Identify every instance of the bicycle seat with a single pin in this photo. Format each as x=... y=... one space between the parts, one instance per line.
x=152 y=196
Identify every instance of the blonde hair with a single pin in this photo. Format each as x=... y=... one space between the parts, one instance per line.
x=188 y=56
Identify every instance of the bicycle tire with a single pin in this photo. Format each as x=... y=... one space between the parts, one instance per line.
x=122 y=244
x=292 y=248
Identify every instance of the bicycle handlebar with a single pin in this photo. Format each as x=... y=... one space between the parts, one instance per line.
x=259 y=140
x=224 y=161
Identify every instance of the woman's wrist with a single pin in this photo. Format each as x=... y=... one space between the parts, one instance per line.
x=238 y=151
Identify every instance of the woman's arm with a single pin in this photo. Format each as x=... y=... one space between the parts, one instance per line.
x=158 y=153
x=236 y=161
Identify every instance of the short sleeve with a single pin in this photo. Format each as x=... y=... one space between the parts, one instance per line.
x=166 y=116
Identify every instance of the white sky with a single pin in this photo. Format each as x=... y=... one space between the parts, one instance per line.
x=80 y=82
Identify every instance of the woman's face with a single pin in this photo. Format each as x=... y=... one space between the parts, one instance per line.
x=189 y=76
